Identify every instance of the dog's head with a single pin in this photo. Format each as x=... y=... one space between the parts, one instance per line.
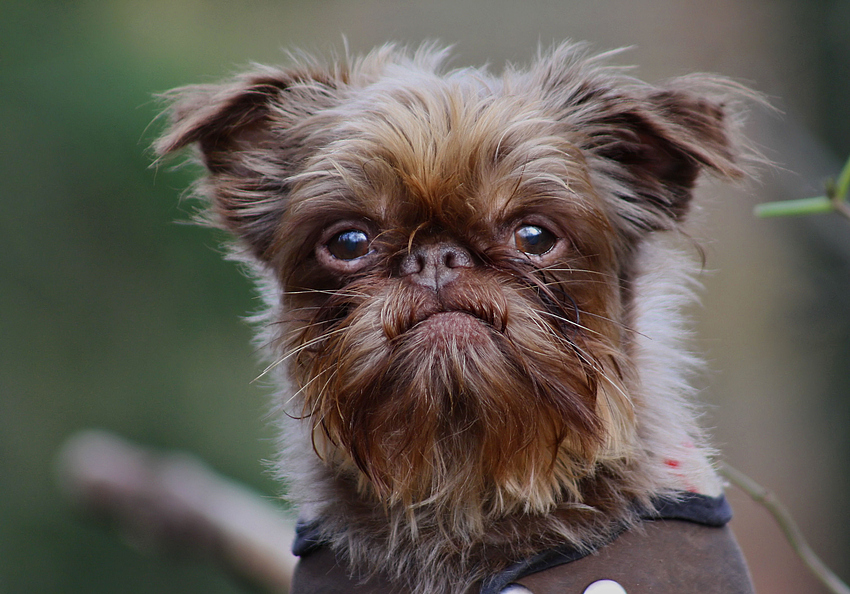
x=454 y=255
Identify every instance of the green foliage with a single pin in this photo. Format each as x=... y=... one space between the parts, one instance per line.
x=112 y=314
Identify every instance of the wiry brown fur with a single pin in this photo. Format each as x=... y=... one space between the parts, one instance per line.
x=443 y=429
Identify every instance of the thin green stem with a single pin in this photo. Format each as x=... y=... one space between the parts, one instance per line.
x=834 y=201
x=803 y=206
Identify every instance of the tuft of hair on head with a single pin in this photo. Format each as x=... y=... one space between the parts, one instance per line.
x=648 y=143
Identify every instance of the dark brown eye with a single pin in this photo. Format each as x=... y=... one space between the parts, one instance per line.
x=534 y=240
x=349 y=244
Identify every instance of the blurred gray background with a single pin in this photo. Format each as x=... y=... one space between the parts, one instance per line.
x=115 y=315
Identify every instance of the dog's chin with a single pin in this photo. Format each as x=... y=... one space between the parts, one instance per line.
x=474 y=402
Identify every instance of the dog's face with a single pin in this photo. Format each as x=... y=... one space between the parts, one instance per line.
x=454 y=256
x=452 y=286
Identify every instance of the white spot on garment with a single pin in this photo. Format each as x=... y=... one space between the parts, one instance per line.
x=605 y=587
x=516 y=589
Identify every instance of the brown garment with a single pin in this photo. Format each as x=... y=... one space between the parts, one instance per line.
x=659 y=557
x=662 y=556
x=321 y=573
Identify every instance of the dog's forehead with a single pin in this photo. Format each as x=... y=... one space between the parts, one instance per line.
x=456 y=152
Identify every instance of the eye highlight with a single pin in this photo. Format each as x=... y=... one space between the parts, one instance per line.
x=349 y=244
x=534 y=240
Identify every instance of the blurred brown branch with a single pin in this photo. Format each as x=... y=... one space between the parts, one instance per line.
x=174 y=503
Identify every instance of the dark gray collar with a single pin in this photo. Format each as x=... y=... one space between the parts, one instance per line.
x=689 y=507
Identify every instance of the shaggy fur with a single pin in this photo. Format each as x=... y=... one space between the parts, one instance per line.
x=454 y=397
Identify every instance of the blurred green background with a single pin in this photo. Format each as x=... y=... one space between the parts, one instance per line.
x=113 y=314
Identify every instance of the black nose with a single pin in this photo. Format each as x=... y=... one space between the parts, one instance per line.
x=435 y=265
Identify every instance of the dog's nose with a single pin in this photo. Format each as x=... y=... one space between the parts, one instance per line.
x=435 y=265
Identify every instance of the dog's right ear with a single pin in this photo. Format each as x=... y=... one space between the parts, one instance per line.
x=251 y=135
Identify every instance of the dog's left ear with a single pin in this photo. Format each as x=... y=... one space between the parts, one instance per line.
x=649 y=143
x=656 y=142
x=251 y=135
x=662 y=139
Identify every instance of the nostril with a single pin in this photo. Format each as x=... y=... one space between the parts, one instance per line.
x=449 y=259
x=456 y=257
x=413 y=263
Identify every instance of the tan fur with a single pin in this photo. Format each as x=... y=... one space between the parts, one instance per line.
x=444 y=430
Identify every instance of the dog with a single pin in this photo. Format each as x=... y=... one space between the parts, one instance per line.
x=473 y=290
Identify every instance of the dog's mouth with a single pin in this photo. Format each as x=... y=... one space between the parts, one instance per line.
x=449 y=323
x=463 y=308
x=454 y=325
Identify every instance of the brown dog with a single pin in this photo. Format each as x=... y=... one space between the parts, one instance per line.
x=474 y=309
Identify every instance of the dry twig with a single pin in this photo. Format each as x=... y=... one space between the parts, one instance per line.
x=789 y=527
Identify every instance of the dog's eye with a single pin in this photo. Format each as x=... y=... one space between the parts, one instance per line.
x=349 y=244
x=534 y=240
